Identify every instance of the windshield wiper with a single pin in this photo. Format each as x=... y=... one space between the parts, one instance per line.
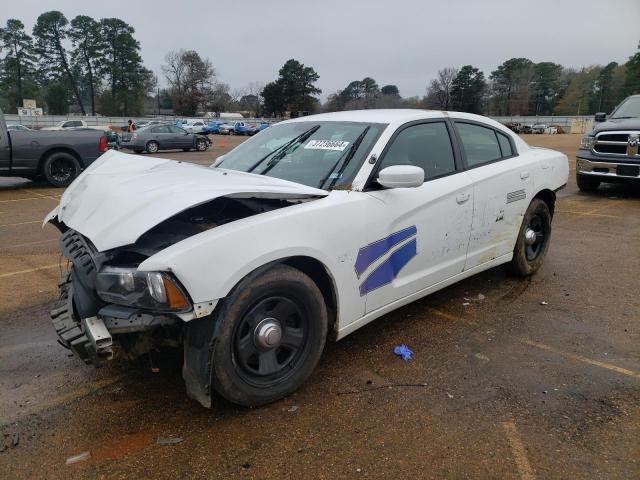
x=350 y=154
x=280 y=150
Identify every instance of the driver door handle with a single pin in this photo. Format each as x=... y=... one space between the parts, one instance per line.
x=463 y=197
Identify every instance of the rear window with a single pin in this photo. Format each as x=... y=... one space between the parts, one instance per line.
x=483 y=144
x=505 y=145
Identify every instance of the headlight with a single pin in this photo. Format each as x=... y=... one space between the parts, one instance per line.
x=587 y=142
x=152 y=290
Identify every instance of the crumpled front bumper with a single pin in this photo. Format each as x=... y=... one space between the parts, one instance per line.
x=91 y=339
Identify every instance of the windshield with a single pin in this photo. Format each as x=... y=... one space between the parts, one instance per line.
x=317 y=154
x=630 y=108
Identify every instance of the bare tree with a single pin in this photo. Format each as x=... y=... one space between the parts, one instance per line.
x=191 y=80
x=439 y=90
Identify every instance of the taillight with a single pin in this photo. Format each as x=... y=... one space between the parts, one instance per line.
x=103 y=144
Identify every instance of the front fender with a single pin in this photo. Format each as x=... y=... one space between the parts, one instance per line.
x=330 y=230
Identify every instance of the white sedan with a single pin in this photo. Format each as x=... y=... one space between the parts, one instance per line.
x=307 y=231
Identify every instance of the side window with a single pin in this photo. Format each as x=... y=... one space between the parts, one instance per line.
x=175 y=129
x=480 y=144
x=160 y=129
x=426 y=145
x=505 y=145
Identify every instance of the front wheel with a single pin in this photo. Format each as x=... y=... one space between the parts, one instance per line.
x=533 y=239
x=201 y=145
x=586 y=183
x=60 y=169
x=272 y=332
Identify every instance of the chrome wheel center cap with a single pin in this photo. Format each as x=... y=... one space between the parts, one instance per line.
x=268 y=333
x=529 y=236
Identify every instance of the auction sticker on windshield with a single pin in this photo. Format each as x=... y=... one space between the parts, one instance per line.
x=339 y=145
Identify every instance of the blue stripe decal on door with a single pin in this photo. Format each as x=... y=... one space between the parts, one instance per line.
x=372 y=252
x=384 y=273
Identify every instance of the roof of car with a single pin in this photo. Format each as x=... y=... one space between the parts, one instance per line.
x=397 y=117
x=390 y=116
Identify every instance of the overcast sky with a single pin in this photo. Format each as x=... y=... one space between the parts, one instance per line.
x=403 y=42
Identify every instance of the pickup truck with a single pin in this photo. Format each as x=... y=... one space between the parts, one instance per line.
x=610 y=152
x=74 y=125
x=59 y=157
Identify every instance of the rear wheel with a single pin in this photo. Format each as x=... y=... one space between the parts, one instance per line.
x=586 y=183
x=271 y=335
x=152 y=147
x=533 y=239
x=60 y=169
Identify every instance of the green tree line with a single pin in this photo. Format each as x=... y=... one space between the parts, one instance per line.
x=84 y=65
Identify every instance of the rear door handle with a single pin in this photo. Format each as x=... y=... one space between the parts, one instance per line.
x=463 y=197
x=524 y=175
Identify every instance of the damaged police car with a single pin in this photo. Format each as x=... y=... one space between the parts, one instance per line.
x=307 y=231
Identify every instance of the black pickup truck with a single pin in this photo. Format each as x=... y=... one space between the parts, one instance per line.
x=610 y=152
x=58 y=156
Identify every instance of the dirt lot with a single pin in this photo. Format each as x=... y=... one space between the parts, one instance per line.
x=505 y=387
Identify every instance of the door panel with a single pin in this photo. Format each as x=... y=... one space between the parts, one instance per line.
x=163 y=137
x=502 y=189
x=419 y=238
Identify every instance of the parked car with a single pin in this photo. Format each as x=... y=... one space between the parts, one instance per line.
x=538 y=128
x=250 y=129
x=526 y=129
x=59 y=157
x=610 y=152
x=312 y=229
x=226 y=129
x=194 y=126
x=17 y=126
x=211 y=127
x=514 y=126
x=164 y=137
x=74 y=125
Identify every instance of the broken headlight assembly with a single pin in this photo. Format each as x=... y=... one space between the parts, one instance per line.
x=149 y=290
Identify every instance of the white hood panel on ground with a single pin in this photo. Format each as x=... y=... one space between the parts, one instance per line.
x=121 y=196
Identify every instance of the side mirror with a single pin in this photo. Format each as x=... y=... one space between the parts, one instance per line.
x=600 y=117
x=401 y=176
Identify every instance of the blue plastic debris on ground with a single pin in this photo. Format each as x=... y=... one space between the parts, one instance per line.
x=404 y=352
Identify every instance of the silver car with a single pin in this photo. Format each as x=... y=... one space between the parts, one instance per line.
x=165 y=137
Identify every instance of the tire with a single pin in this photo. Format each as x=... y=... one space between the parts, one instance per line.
x=152 y=147
x=201 y=145
x=60 y=169
x=586 y=183
x=528 y=257
x=249 y=374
